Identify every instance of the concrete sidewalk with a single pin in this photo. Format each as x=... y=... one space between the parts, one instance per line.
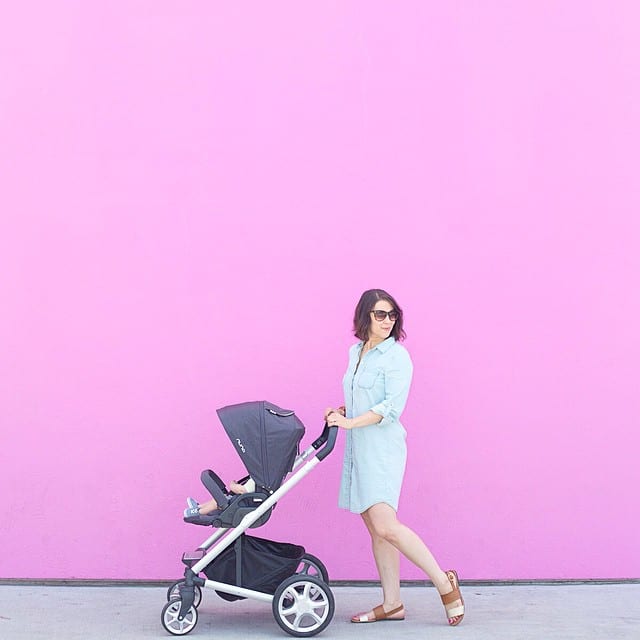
x=585 y=612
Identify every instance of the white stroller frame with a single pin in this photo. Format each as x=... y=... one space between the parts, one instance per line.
x=296 y=599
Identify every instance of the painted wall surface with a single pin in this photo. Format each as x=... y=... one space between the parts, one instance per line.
x=194 y=195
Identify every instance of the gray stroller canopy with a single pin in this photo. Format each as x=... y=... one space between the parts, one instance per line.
x=266 y=438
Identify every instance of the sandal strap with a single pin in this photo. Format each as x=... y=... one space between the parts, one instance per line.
x=452 y=596
x=380 y=614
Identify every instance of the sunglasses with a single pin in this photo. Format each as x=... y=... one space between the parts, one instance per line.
x=381 y=315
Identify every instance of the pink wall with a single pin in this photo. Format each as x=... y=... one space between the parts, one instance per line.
x=193 y=196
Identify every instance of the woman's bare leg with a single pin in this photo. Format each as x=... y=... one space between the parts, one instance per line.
x=383 y=523
x=387 y=559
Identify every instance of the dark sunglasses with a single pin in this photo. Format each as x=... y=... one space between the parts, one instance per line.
x=381 y=315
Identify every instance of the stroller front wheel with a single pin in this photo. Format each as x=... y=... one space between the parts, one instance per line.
x=303 y=605
x=174 y=592
x=171 y=618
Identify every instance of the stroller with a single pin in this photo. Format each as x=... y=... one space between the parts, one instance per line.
x=239 y=566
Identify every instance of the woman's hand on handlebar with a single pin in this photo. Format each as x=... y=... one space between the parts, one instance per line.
x=328 y=410
x=336 y=418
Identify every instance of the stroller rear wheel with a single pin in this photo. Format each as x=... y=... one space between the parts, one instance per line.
x=312 y=566
x=172 y=623
x=174 y=592
x=303 y=605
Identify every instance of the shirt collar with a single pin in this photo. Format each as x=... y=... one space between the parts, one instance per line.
x=384 y=346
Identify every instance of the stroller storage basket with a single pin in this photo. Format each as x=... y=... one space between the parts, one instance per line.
x=262 y=564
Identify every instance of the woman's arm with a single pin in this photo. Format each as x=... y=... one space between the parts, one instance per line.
x=336 y=419
x=329 y=410
x=397 y=380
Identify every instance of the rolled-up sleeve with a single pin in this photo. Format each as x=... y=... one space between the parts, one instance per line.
x=397 y=380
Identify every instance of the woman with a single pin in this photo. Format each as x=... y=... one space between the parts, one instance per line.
x=376 y=386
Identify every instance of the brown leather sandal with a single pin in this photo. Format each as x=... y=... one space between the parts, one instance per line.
x=379 y=615
x=451 y=597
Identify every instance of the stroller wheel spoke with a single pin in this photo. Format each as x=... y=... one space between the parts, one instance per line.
x=315 y=616
x=320 y=603
x=290 y=610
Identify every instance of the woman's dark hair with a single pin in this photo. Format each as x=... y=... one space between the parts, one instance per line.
x=362 y=315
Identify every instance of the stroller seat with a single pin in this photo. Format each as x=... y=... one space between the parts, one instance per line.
x=233 y=507
x=266 y=437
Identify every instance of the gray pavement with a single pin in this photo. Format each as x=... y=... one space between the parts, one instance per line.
x=584 y=611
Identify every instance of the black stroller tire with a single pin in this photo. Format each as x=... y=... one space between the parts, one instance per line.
x=312 y=566
x=174 y=592
x=303 y=605
x=170 y=622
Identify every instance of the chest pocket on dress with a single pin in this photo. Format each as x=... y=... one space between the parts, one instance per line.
x=367 y=379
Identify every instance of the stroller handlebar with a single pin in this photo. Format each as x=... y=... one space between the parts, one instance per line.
x=327 y=441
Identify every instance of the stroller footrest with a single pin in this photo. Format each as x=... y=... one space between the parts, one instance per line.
x=191 y=557
x=205 y=521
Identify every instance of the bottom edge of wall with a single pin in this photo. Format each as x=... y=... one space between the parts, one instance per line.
x=97 y=582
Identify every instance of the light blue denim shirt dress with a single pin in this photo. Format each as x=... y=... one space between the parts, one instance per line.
x=375 y=456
